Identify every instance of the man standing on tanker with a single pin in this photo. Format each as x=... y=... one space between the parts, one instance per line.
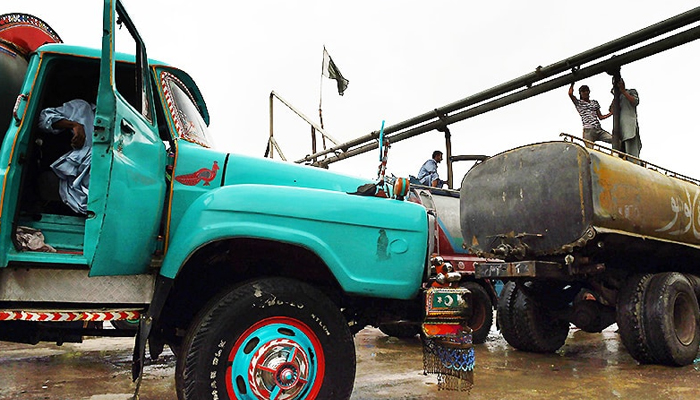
x=589 y=110
x=630 y=142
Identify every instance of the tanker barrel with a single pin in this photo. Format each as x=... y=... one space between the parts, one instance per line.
x=558 y=198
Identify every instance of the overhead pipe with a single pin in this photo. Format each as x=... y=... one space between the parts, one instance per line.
x=527 y=80
x=601 y=67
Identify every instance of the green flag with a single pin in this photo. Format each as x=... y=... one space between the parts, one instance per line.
x=331 y=71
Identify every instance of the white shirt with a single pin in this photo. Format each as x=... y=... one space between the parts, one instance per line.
x=72 y=168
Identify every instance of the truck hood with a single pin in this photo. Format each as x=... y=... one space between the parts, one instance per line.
x=242 y=169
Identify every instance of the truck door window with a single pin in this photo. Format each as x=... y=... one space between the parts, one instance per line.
x=144 y=98
x=186 y=116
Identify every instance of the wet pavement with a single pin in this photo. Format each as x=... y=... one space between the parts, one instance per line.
x=589 y=366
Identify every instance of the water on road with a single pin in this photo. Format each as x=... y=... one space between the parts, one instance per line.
x=589 y=366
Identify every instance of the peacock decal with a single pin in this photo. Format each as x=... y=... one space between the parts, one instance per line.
x=204 y=174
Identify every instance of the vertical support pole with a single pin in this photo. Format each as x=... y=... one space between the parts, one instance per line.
x=313 y=143
x=448 y=157
x=270 y=147
x=616 y=134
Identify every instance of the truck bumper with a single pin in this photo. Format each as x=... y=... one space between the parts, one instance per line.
x=520 y=269
x=447 y=340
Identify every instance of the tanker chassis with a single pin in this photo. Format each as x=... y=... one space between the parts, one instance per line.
x=591 y=237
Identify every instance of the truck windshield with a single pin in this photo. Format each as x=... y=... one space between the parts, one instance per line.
x=186 y=115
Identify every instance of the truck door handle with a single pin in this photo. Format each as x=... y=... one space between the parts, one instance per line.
x=20 y=98
x=127 y=128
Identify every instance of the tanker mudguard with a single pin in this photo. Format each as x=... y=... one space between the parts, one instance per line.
x=386 y=234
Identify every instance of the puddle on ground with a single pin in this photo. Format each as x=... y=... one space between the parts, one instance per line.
x=589 y=365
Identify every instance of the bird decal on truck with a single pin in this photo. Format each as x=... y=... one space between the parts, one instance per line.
x=203 y=174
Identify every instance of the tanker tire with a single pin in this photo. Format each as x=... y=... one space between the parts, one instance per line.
x=482 y=317
x=672 y=319
x=505 y=315
x=277 y=324
x=400 y=331
x=540 y=332
x=630 y=318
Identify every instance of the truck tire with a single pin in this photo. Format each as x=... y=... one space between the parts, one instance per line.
x=269 y=338
x=630 y=318
x=542 y=333
x=672 y=319
x=505 y=317
x=527 y=326
x=400 y=331
x=482 y=317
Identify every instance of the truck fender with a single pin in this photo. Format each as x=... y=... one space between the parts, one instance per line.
x=319 y=220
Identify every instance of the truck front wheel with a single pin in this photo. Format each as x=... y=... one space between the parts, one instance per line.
x=268 y=339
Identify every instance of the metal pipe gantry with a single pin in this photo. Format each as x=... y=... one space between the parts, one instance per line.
x=439 y=118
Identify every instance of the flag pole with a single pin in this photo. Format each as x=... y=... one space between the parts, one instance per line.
x=320 y=94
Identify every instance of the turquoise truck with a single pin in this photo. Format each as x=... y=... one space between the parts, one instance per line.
x=255 y=273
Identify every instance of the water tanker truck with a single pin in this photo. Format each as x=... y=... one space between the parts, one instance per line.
x=590 y=237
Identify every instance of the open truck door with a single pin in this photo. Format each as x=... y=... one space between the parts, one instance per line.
x=127 y=183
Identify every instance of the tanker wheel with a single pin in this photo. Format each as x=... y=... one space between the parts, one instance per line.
x=401 y=331
x=268 y=339
x=542 y=332
x=630 y=318
x=482 y=316
x=528 y=325
x=672 y=319
x=505 y=315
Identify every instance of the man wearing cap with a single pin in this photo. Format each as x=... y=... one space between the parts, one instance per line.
x=589 y=110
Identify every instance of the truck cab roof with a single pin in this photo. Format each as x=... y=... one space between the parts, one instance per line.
x=72 y=50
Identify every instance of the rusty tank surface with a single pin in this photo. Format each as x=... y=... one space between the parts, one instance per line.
x=557 y=198
x=588 y=236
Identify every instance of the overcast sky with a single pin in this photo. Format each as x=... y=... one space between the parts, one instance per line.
x=403 y=58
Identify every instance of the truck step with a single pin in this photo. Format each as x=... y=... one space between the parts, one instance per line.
x=74 y=286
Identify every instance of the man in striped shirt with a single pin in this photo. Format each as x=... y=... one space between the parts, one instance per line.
x=589 y=110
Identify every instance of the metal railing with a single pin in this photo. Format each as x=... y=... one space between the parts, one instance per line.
x=617 y=153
